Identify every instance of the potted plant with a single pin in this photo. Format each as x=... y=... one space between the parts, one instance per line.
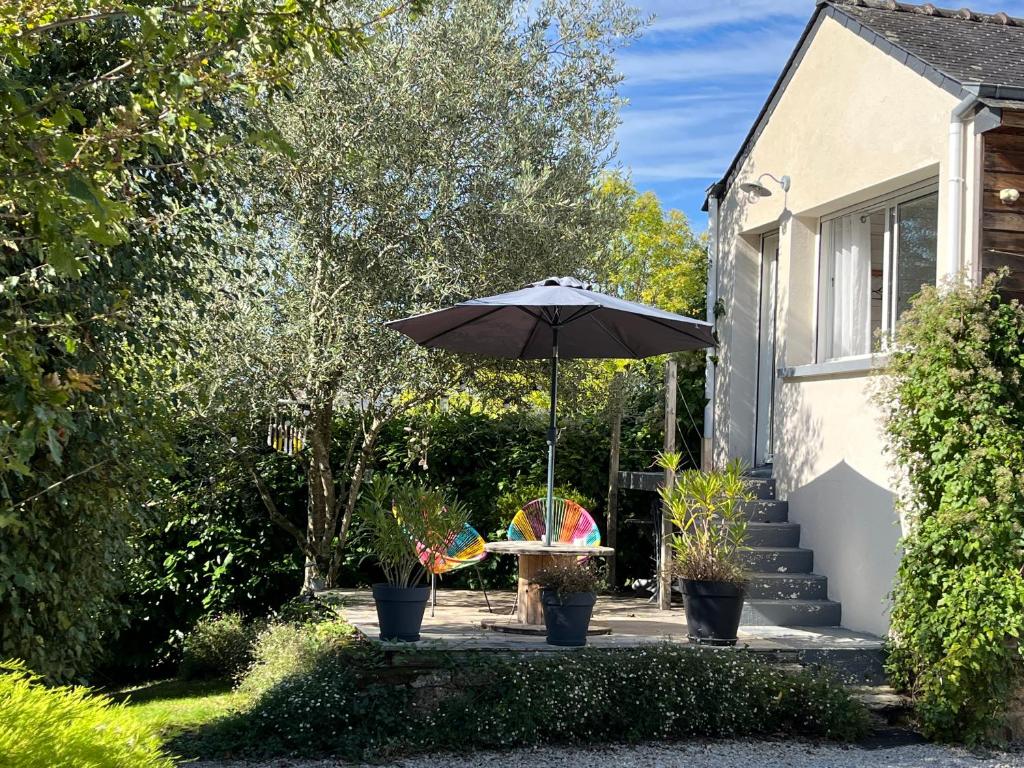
x=400 y=521
x=568 y=594
x=706 y=509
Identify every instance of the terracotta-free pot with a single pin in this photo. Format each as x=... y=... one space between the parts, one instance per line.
x=713 y=610
x=567 y=616
x=400 y=611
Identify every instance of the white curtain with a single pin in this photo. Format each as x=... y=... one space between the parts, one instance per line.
x=851 y=288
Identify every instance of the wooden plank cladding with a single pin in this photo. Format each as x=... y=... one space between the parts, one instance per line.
x=1002 y=223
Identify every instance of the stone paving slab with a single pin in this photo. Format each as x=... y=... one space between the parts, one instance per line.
x=634 y=621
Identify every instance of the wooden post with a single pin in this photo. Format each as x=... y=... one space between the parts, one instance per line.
x=612 y=520
x=665 y=559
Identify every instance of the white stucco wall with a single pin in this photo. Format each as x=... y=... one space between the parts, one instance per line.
x=852 y=124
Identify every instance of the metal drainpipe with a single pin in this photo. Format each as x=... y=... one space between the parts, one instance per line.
x=709 y=365
x=955 y=205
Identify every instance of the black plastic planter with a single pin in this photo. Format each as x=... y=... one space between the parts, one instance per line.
x=400 y=611
x=713 y=611
x=567 y=617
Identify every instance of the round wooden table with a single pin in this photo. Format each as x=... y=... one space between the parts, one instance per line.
x=535 y=556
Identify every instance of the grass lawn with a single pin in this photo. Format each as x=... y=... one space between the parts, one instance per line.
x=173 y=707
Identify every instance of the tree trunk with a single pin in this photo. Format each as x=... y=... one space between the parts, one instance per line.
x=320 y=482
x=615 y=405
x=355 y=485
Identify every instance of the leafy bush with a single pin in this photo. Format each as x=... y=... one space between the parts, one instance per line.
x=286 y=650
x=306 y=609
x=42 y=726
x=218 y=646
x=350 y=703
x=952 y=403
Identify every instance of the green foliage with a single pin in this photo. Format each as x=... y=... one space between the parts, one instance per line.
x=212 y=549
x=952 y=403
x=306 y=609
x=706 y=510
x=217 y=647
x=453 y=181
x=118 y=125
x=42 y=726
x=285 y=650
x=365 y=708
x=655 y=258
x=397 y=517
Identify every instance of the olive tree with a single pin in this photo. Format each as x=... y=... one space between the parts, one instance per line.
x=455 y=156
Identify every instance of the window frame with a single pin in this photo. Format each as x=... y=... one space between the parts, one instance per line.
x=824 y=300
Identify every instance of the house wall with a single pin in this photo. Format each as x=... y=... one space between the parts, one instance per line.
x=851 y=124
x=1002 y=238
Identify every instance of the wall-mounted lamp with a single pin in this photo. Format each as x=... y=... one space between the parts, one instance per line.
x=1008 y=196
x=756 y=189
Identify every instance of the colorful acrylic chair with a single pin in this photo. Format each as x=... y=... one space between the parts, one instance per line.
x=462 y=549
x=572 y=523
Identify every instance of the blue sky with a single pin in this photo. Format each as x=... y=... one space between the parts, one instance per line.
x=697 y=79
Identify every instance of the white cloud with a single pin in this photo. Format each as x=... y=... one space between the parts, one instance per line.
x=698 y=15
x=728 y=57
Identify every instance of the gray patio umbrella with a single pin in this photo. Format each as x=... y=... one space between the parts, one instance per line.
x=553 y=318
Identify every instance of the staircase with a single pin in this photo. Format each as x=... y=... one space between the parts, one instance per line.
x=782 y=591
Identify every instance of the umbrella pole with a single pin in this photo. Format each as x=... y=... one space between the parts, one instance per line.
x=552 y=434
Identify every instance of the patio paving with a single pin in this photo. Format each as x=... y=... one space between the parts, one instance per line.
x=633 y=622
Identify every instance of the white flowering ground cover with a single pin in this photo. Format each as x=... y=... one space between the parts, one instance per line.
x=712 y=754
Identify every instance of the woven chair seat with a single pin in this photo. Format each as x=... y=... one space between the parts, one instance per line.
x=462 y=549
x=572 y=524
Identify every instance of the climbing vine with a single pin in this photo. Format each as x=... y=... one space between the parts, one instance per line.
x=955 y=423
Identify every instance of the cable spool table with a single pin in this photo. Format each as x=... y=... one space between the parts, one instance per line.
x=535 y=556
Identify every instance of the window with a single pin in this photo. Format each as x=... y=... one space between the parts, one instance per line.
x=873 y=261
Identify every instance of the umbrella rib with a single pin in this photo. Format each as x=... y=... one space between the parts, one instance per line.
x=580 y=314
x=464 y=323
x=615 y=338
x=529 y=338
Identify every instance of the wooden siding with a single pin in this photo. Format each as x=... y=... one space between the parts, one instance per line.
x=1002 y=224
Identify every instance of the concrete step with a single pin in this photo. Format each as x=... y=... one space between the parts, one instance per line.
x=762 y=487
x=778 y=559
x=787 y=586
x=791 y=613
x=766 y=510
x=773 y=534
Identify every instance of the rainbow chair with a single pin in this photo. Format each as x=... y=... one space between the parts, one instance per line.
x=462 y=549
x=572 y=524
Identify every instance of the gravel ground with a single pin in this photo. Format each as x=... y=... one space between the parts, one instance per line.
x=718 y=754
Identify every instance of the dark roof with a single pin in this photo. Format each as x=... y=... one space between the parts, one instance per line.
x=965 y=46
x=961 y=51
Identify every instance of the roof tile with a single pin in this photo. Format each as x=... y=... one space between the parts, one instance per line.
x=965 y=46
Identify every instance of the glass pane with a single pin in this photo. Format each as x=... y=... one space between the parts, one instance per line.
x=916 y=226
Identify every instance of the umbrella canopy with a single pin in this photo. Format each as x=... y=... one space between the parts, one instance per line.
x=524 y=325
x=553 y=318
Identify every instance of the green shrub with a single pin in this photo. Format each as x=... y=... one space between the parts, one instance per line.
x=286 y=650
x=306 y=609
x=955 y=422
x=348 y=703
x=218 y=646
x=42 y=726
